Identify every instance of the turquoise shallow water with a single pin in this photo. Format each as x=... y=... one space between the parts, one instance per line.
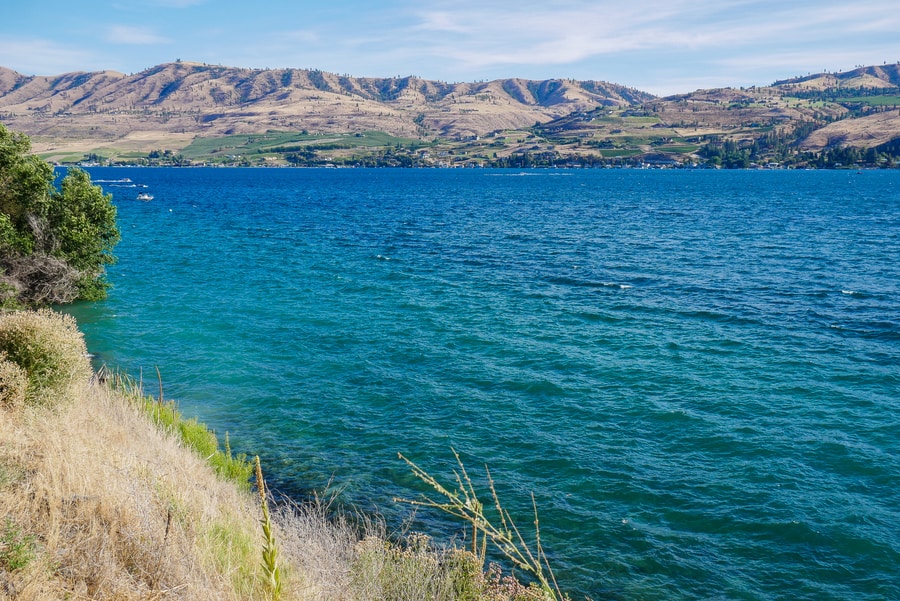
x=696 y=373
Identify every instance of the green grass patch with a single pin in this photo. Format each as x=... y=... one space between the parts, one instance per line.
x=62 y=157
x=193 y=433
x=641 y=119
x=234 y=553
x=616 y=153
x=237 y=144
x=794 y=101
x=202 y=440
x=635 y=140
x=17 y=549
x=680 y=148
x=380 y=138
x=131 y=155
x=285 y=142
x=108 y=151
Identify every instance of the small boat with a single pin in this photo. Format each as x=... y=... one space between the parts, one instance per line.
x=144 y=196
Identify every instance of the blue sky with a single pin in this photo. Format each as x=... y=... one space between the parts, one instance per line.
x=663 y=47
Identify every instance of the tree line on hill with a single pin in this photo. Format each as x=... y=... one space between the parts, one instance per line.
x=774 y=149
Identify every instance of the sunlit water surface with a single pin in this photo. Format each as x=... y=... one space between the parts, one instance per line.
x=695 y=373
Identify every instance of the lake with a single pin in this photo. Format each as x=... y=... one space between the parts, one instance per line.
x=695 y=372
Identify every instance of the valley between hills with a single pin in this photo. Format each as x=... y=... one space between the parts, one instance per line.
x=185 y=113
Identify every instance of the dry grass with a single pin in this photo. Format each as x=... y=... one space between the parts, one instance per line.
x=98 y=503
x=117 y=510
x=101 y=499
x=353 y=558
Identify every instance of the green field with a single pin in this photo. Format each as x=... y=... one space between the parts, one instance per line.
x=641 y=119
x=634 y=140
x=281 y=142
x=62 y=157
x=618 y=153
x=680 y=148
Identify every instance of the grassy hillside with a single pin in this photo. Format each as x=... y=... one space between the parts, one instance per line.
x=167 y=102
x=180 y=113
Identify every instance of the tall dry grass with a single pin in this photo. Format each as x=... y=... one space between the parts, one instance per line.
x=113 y=508
x=117 y=510
x=102 y=499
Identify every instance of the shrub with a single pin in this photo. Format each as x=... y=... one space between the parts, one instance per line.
x=384 y=570
x=13 y=382
x=38 y=280
x=48 y=348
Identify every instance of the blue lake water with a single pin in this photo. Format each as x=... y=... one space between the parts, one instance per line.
x=695 y=372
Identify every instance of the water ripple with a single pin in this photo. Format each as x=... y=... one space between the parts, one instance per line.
x=694 y=372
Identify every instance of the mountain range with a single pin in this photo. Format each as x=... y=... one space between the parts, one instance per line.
x=171 y=106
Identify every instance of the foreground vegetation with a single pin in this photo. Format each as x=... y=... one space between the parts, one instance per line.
x=107 y=493
x=54 y=243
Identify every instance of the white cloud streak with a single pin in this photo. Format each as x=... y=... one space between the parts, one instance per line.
x=653 y=44
x=178 y=3
x=44 y=57
x=481 y=35
x=126 y=34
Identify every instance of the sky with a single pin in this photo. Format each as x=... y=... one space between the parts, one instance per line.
x=663 y=47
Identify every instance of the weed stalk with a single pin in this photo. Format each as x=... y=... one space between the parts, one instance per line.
x=270 y=551
x=464 y=504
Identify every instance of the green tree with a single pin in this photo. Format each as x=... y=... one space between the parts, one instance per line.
x=54 y=243
x=25 y=185
x=82 y=220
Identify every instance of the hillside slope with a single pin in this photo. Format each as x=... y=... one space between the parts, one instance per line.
x=195 y=99
x=781 y=123
x=206 y=114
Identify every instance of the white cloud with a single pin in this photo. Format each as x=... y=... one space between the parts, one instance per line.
x=802 y=62
x=126 y=34
x=563 y=32
x=304 y=36
x=661 y=46
x=441 y=21
x=178 y=3
x=44 y=57
x=653 y=44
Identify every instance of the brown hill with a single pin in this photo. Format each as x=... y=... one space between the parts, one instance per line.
x=825 y=99
x=171 y=105
x=182 y=100
x=863 y=77
x=868 y=131
x=873 y=120
x=792 y=122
